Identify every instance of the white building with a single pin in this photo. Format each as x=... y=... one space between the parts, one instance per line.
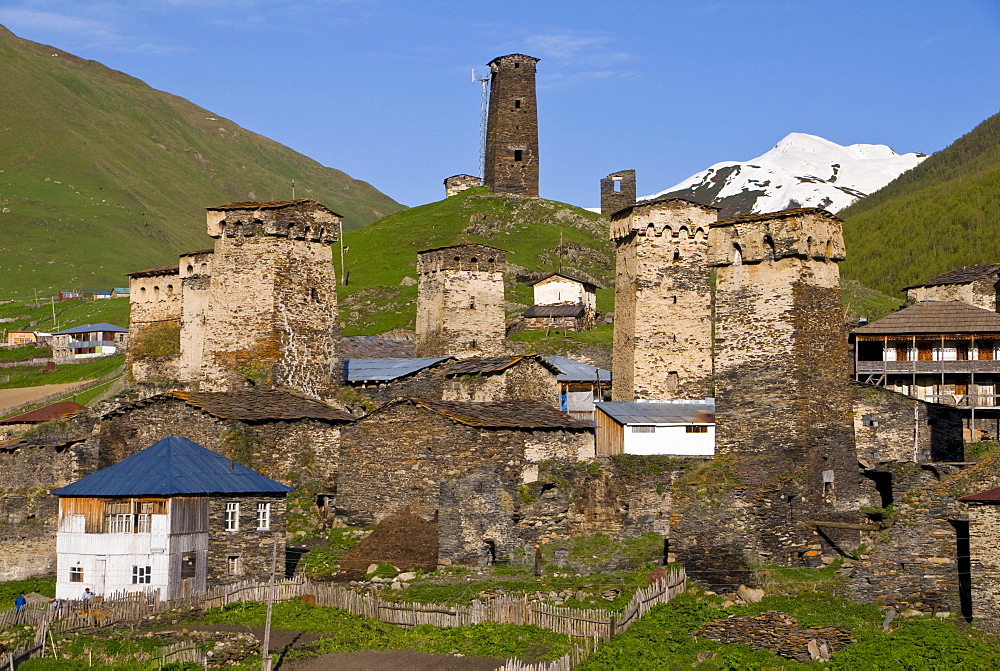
x=681 y=428
x=169 y=518
x=562 y=302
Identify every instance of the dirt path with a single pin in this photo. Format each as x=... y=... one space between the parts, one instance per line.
x=391 y=660
x=12 y=398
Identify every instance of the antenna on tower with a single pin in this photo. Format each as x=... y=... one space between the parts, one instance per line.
x=483 y=78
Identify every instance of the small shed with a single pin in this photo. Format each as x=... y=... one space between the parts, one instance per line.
x=175 y=516
x=119 y=292
x=682 y=428
x=581 y=386
x=97 y=294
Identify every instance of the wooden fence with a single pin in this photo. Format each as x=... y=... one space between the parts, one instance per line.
x=128 y=609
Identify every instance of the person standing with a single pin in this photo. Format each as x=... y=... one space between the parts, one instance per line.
x=20 y=603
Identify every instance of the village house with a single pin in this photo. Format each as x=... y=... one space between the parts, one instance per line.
x=944 y=352
x=16 y=424
x=22 y=337
x=175 y=517
x=88 y=341
x=385 y=379
x=975 y=285
x=99 y=294
x=580 y=386
x=679 y=428
x=562 y=303
x=119 y=292
x=399 y=455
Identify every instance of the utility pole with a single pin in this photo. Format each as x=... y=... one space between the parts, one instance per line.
x=265 y=664
x=293 y=189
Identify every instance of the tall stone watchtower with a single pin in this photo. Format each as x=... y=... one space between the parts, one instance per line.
x=617 y=191
x=271 y=318
x=784 y=412
x=512 y=127
x=663 y=301
x=460 y=301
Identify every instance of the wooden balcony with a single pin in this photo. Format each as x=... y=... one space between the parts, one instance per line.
x=926 y=367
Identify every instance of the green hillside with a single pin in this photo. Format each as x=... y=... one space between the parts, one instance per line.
x=943 y=214
x=101 y=174
x=378 y=297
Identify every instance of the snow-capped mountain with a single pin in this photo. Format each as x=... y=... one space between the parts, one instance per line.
x=800 y=171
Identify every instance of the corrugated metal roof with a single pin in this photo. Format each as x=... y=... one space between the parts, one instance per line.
x=670 y=412
x=378 y=370
x=93 y=328
x=937 y=317
x=577 y=371
x=988 y=496
x=572 y=310
x=520 y=414
x=47 y=413
x=170 y=467
x=960 y=275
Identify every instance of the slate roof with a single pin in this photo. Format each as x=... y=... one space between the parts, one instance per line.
x=170 y=467
x=564 y=276
x=988 y=496
x=520 y=414
x=625 y=211
x=384 y=370
x=577 y=371
x=960 y=276
x=934 y=317
x=47 y=413
x=258 y=405
x=91 y=328
x=572 y=310
x=375 y=347
x=153 y=272
x=673 y=412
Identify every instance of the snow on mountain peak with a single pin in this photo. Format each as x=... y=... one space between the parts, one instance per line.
x=801 y=170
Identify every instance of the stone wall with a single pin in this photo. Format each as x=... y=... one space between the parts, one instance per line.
x=982 y=293
x=460 y=301
x=984 y=555
x=196 y=282
x=291 y=452
x=253 y=548
x=611 y=200
x=663 y=302
x=400 y=455
x=512 y=127
x=526 y=379
x=892 y=427
x=459 y=183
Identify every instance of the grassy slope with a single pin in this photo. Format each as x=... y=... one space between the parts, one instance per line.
x=938 y=216
x=383 y=254
x=104 y=175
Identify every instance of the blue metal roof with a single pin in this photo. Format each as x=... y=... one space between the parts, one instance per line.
x=93 y=328
x=171 y=467
x=660 y=412
x=577 y=371
x=383 y=370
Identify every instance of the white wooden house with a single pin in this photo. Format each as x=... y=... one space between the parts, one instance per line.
x=682 y=428
x=562 y=302
x=175 y=517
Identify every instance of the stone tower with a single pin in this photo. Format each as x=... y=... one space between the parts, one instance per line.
x=663 y=301
x=617 y=191
x=783 y=405
x=512 y=127
x=271 y=313
x=460 y=301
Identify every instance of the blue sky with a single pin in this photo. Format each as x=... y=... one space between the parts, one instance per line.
x=381 y=88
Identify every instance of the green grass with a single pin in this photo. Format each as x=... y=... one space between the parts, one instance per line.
x=25 y=353
x=104 y=175
x=346 y=632
x=31 y=376
x=67 y=314
x=10 y=590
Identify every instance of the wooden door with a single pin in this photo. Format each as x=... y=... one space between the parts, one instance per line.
x=925 y=351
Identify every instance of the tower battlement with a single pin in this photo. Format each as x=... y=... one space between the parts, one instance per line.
x=671 y=217
x=301 y=219
x=805 y=233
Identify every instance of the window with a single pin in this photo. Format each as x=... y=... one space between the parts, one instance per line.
x=263 y=515
x=618 y=185
x=233 y=565
x=232 y=516
x=188 y=566
x=517 y=103
x=643 y=429
x=695 y=429
x=518 y=154
x=76 y=574
x=141 y=575
x=119 y=524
